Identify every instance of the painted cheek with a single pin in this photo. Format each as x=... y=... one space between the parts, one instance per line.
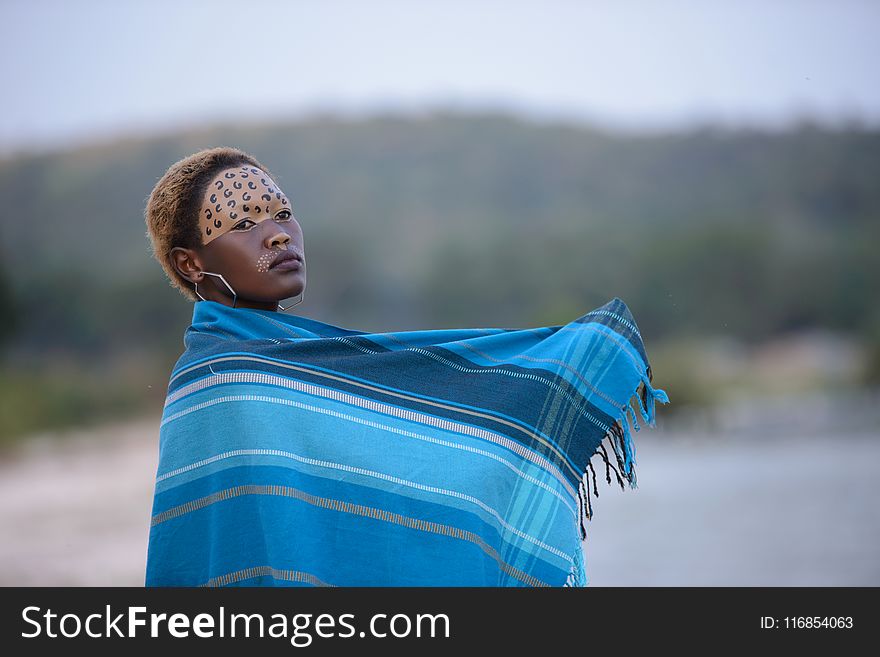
x=264 y=261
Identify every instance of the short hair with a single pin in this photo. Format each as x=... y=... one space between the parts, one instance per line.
x=172 y=209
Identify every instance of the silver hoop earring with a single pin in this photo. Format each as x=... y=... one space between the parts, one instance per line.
x=220 y=276
x=302 y=295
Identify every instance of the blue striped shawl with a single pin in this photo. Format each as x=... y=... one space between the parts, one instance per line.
x=298 y=453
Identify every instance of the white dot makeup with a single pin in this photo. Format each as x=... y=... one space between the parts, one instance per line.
x=265 y=261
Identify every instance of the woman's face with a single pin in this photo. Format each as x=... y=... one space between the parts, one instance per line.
x=246 y=222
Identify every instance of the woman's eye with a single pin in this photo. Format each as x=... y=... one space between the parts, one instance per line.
x=241 y=224
x=284 y=215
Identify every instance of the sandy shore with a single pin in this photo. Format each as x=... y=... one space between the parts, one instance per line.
x=708 y=511
x=76 y=511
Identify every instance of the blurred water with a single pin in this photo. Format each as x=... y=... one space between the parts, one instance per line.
x=729 y=509
x=764 y=511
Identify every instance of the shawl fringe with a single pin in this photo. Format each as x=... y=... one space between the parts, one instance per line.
x=620 y=439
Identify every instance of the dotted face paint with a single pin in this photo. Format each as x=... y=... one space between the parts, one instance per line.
x=236 y=194
x=264 y=262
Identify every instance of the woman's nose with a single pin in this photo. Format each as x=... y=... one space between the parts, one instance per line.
x=279 y=238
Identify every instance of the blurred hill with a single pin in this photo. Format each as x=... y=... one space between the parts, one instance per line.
x=453 y=220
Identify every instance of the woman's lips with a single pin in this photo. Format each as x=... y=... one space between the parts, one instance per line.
x=291 y=264
x=286 y=259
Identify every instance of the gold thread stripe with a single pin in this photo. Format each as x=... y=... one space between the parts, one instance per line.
x=346 y=507
x=388 y=409
x=368 y=403
x=197 y=385
x=261 y=571
x=532 y=434
x=276 y=452
x=387 y=477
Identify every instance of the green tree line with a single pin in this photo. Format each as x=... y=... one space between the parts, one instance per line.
x=451 y=220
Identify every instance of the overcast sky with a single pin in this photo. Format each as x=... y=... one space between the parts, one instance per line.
x=73 y=71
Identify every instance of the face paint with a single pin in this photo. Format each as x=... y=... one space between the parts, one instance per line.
x=264 y=262
x=238 y=193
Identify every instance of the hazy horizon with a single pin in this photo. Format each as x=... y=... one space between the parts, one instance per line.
x=99 y=70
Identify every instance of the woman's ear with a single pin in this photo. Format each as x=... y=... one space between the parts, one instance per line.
x=187 y=263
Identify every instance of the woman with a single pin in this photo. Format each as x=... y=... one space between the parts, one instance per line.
x=246 y=238
x=295 y=452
